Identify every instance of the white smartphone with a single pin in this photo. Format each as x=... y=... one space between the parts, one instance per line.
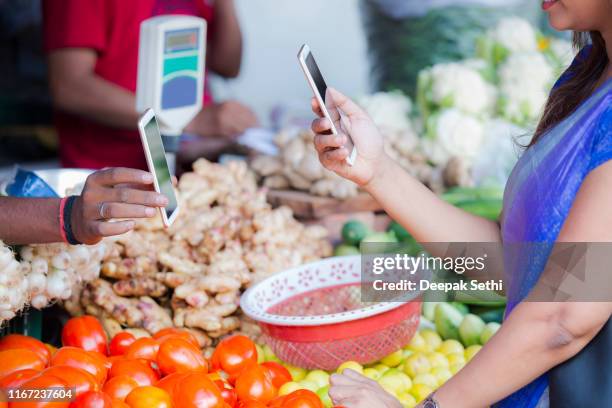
x=158 y=165
x=319 y=88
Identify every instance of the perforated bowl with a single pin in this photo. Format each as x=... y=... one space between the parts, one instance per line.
x=312 y=316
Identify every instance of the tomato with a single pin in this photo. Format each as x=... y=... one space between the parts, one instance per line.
x=120 y=386
x=253 y=383
x=120 y=343
x=81 y=380
x=174 y=332
x=16 y=378
x=92 y=399
x=149 y=397
x=144 y=347
x=302 y=399
x=228 y=394
x=119 y=404
x=85 y=360
x=234 y=353
x=14 y=341
x=169 y=382
x=251 y=404
x=19 y=359
x=178 y=356
x=85 y=332
x=277 y=402
x=39 y=383
x=278 y=374
x=197 y=391
x=138 y=369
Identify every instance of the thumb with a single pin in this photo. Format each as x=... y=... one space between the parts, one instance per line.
x=350 y=108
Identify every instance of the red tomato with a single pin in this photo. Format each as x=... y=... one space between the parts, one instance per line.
x=252 y=404
x=254 y=384
x=119 y=387
x=234 y=353
x=169 y=382
x=278 y=374
x=174 y=332
x=92 y=399
x=302 y=399
x=178 y=356
x=196 y=391
x=19 y=359
x=149 y=397
x=85 y=360
x=85 y=332
x=42 y=382
x=78 y=378
x=228 y=394
x=14 y=341
x=139 y=370
x=119 y=404
x=144 y=347
x=120 y=343
x=16 y=378
x=277 y=402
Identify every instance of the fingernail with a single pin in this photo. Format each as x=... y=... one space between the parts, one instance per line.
x=147 y=178
x=149 y=212
x=161 y=200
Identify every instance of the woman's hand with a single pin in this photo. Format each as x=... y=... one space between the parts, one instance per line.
x=353 y=390
x=110 y=194
x=365 y=135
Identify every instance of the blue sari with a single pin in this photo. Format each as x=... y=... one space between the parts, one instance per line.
x=539 y=195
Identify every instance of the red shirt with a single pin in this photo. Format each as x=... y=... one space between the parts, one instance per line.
x=112 y=28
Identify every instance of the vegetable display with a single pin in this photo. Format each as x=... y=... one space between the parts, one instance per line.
x=45 y=274
x=192 y=274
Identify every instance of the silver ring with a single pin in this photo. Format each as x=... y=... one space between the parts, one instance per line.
x=102 y=216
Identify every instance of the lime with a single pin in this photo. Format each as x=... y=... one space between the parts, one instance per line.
x=407 y=400
x=426 y=378
x=319 y=377
x=420 y=391
x=353 y=365
x=451 y=346
x=289 y=387
x=372 y=373
x=416 y=364
x=353 y=232
x=437 y=359
x=393 y=359
x=418 y=343
x=471 y=351
x=297 y=373
x=432 y=338
x=395 y=382
x=442 y=374
x=323 y=394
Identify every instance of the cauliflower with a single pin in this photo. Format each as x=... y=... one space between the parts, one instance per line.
x=389 y=110
x=525 y=80
x=510 y=35
x=453 y=133
x=457 y=85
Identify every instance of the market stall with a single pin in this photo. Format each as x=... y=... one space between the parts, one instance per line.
x=244 y=301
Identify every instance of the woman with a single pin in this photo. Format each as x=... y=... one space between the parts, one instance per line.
x=113 y=193
x=573 y=135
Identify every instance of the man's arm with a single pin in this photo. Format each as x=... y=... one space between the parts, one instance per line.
x=225 y=52
x=29 y=220
x=76 y=88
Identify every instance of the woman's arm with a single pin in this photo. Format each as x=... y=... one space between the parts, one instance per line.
x=405 y=199
x=538 y=336
x=29 y=220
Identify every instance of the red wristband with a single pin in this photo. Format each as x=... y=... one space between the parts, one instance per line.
x=61 y=219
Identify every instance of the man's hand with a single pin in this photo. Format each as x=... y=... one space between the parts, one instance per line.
x=226 y=119
x=114 y=193
x=352 y=390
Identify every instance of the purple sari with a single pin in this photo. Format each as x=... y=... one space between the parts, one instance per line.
x=538 y=198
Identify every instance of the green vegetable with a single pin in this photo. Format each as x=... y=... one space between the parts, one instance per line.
x=447 y=320
x=399 y=231
x=353 y=232
x=460 y=307
x=480 y=298
x=470 y=329
x=488 y=332
x=429 y=310
x=323 y=394
x=488 y=314
x=381 y=237
x=343 y=250
x=487 y=208
x=457 y=195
